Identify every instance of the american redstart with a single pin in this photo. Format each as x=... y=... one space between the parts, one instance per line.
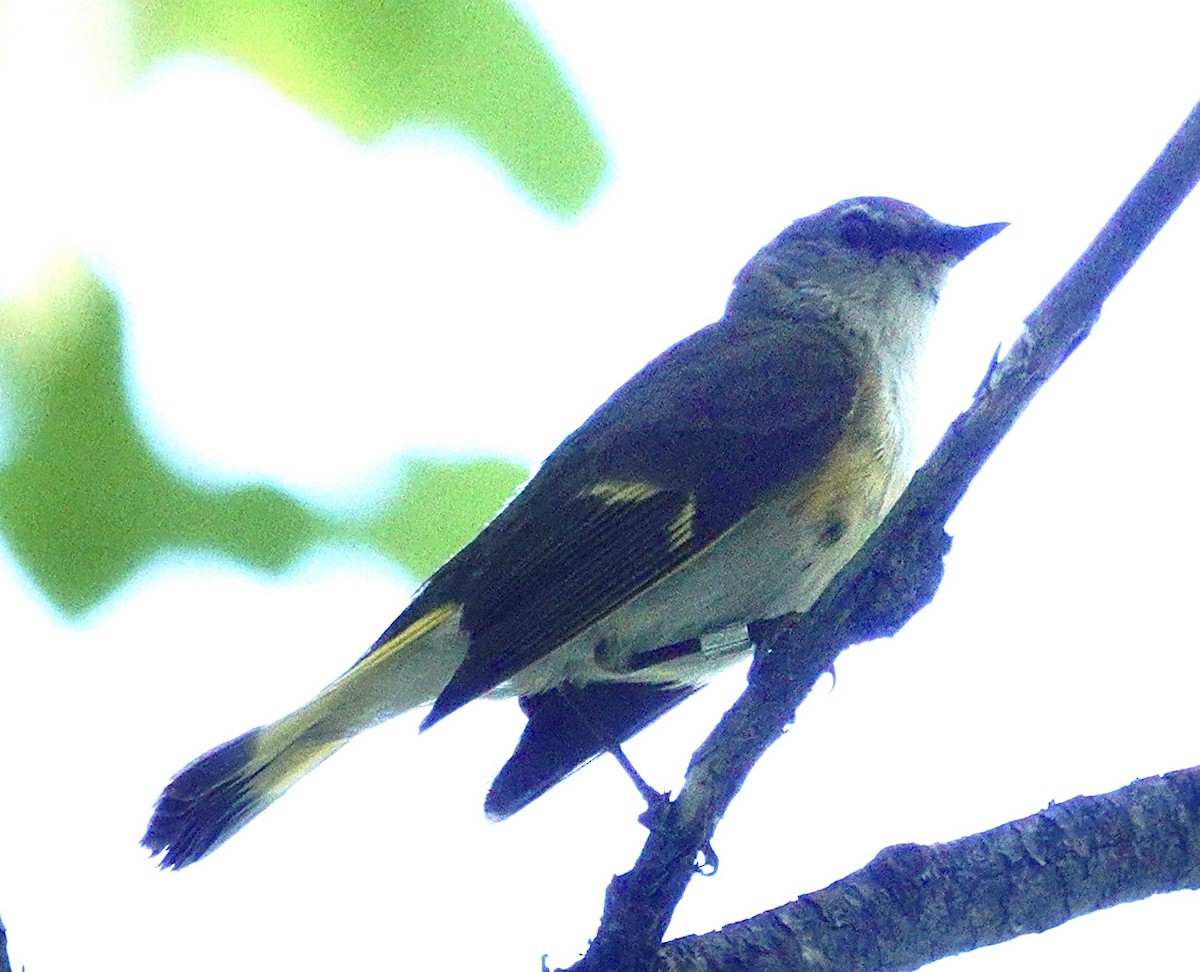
x=728 y=481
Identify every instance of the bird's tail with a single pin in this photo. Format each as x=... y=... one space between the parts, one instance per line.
x=218 y=793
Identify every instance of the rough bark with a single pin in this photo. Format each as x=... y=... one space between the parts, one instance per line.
x=912 y=904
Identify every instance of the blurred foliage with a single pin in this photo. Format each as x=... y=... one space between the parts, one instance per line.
x=436 y=508
x=85 y=501
x=471 y=65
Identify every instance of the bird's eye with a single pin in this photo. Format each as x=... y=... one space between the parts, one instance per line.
x=863 y=232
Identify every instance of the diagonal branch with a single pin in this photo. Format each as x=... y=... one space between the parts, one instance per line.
x=894 y=574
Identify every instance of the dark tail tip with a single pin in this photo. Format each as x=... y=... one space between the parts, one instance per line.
x=205 y=804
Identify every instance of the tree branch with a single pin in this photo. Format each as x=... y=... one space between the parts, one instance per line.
x=913 y=904
x=894 y=574
x=5 y=966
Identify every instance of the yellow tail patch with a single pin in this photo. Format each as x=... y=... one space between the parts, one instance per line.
x=415 y=631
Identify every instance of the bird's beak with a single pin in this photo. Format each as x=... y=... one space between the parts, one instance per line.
x=961 y=240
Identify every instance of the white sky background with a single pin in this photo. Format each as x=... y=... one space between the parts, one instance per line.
x=301 y=310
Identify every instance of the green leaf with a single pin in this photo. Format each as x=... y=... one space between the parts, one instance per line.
x=471 y=65
x=437 y=509
x=85 y=500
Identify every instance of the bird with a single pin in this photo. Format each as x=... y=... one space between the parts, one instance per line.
x=726 y=482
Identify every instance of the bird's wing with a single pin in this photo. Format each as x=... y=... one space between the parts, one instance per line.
x=667 y=465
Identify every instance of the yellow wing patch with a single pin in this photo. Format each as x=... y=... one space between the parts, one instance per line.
x=616 y=491
x=682 y=527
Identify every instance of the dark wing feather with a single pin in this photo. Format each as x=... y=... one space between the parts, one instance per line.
x=704 y=432
x=567 y=727
x=562 y=571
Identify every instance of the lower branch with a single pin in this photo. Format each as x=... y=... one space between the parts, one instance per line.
x=912 y=904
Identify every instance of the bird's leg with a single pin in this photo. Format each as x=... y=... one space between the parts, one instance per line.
x=653 y=797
